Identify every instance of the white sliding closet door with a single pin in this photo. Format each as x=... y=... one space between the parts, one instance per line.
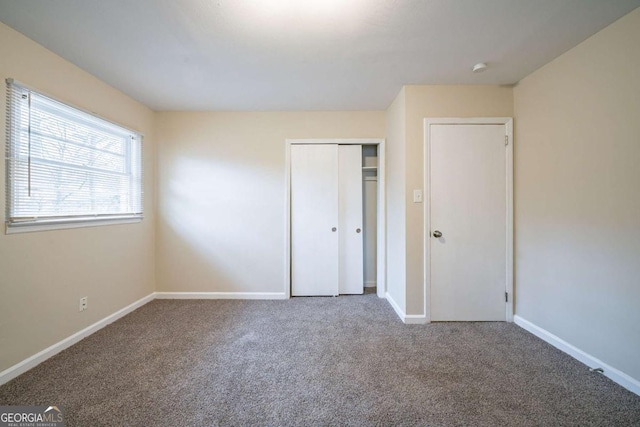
x=314 y=220
x=351 y=262
x=326 y=220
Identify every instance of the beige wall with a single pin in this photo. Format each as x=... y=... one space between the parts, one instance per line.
x=436 y=101
x=396 y=220
x=44 y=274
x=577 y=179
x=221 y=200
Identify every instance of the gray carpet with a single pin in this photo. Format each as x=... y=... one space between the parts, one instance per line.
x=344 y=361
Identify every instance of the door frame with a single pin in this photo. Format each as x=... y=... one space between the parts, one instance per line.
x=507 y=122
x=381 y=267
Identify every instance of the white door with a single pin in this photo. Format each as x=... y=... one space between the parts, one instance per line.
x=351 y=263
x=468 y=190
x=326 y=220
x=314 y=220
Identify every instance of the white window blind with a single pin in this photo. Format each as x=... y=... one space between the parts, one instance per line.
x=67 y=166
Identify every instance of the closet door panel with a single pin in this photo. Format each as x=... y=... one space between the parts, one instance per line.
x=351 y=220
x=314 y=216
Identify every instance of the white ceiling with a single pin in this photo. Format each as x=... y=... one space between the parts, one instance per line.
x=304 y=54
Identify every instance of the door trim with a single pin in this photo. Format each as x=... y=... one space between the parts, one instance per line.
x=508 y=125
x=381 y=268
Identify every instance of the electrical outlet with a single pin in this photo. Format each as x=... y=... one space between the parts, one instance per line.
x=84 y=301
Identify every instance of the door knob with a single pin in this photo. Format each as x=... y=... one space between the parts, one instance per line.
x=334 y=229
x=437 y=234
x=358 y=230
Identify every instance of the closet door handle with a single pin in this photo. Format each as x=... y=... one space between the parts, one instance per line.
x=358 y=230
x=334 y=229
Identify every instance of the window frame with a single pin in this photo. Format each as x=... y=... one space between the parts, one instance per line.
x=45 y=223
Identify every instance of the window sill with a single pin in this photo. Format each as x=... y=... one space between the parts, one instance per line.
x=66 y=224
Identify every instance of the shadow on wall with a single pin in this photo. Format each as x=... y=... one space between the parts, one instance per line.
x=221 y=228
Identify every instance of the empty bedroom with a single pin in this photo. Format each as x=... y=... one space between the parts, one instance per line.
x=320 y=213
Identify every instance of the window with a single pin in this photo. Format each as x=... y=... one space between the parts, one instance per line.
x=66 y=167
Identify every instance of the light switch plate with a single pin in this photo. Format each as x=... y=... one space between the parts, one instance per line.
x=417 y=196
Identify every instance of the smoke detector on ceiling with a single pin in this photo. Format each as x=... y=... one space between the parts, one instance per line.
x=479 y=67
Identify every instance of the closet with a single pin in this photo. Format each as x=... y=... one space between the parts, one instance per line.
x=370 y=213
x=326 y=220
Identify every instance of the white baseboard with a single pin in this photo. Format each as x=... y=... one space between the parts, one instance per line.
x=221 y=295
x=395 y=306
x=415 y=319
x=409 y=319
x=22 y=367
x=370 y=284
x=612 y=373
